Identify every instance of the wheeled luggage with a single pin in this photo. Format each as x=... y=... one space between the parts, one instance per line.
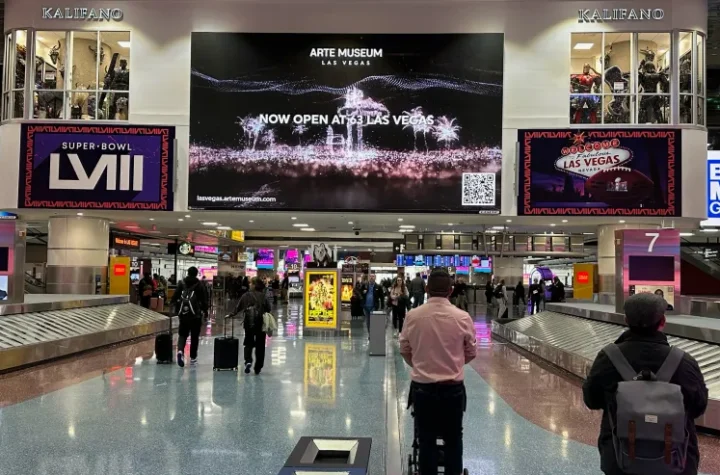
x=164 y=345
x=227 y=349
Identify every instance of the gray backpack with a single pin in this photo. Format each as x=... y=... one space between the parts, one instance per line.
x=648 y=426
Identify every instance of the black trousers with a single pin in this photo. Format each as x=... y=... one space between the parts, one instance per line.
x=398 y=314
x=255 y=340
x=439 y=410
x=190 y=327
x=418 y=299
x=535 y=307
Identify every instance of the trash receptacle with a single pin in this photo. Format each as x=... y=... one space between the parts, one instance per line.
x=378 y=323
x=329 y=455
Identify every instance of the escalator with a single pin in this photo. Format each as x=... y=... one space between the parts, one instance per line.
x=33 y=285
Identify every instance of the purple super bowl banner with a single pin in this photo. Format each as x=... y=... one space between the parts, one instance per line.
x=96 y=167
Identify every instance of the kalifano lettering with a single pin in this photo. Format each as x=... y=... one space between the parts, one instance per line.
x=82 y=14
x=619 y=14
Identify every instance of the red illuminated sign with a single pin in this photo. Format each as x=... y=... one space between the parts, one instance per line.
x=126 y=242
x=583 y=277
x=120 y=269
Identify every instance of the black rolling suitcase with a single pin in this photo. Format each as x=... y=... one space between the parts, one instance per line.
x=164 y=345
x=227 y=350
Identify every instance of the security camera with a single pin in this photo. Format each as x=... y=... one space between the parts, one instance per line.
x=357 y=231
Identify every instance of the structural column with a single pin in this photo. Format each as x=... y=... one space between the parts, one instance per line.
x=606 y=254
x=77 y=255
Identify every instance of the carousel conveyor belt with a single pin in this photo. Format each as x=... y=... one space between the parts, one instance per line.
x=572 y=343
x=33 y=337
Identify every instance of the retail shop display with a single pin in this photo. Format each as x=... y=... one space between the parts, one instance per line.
x=633 y=172
x=346 y=122
x=585 y=107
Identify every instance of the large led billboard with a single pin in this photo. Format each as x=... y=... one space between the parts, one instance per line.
x=390 y=122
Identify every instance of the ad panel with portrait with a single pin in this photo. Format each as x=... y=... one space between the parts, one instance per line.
x=620 y=172
x=390 y=122
x=322 y=298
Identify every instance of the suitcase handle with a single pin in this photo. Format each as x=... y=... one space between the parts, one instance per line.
x=232 y=327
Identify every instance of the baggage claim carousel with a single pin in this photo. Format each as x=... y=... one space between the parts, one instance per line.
x=570 y=335
x=47 y=327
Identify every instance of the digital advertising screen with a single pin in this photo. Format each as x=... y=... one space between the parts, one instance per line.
x=619 y=172
x=321 y=295
x=346 y=122
x=484 y=265
x=665 y=291
x=346 y=291
x=265 y=258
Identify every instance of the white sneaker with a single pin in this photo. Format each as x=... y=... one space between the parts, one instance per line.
x=180 y=359
x=193 y=361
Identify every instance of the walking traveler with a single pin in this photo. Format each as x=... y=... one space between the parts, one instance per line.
x=253 y=306
x=489 y=289
x=371 y=295
x=417 y=290
x=557 y=290
x=146 y=288
x=501 y=296
x=461 y=294
x=535 y=292
x=191 y=302
x=638 y=381
x=399 y=296
x=519 y=301
x=437 y=341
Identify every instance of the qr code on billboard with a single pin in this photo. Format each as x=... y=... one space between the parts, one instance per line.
x=478 y=189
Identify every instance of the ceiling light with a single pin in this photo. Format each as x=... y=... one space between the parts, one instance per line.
x=308 y=229
x=187 y=215
x=210 y=223
x=583 y=45
x=499 y=228
x=298 y=225
x=491 y=231
x=112 y=222
x=350 y=222
x=79 y=214
x=124 y=44
x=564 y=220
x=251 y=221
x=293 y=218
x=40 y=38
x=686 y=234
x=224 y=228
x=450 y=224
x=410 y=226
x=589 y=234
x=552 y=225
x=152 y=219
x=508 y=220
x=173 y=235
x=622 y=221
x=400 y=219
x=180 y=219
x=709 y=230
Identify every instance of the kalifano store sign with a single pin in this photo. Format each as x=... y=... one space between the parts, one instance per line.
x=633 y=172
x=345 y=122
x=96 y=167
x=82 y=14
x=606 y=15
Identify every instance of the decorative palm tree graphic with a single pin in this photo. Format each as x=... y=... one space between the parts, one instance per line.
x=269 y=138
x=299 y=130
x=419 y=124
x=446 y=131
x=253 y=127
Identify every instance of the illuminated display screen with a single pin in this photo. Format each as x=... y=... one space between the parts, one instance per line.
x=652 y=268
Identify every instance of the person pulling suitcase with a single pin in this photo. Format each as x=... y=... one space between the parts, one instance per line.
x=192 y=301
x=253 y=305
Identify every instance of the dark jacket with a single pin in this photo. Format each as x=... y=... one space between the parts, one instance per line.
x=254 y=298
x=200 y=291
x=535 y=292
x=378 y=294
x=417 y=285
x=519 y=294
x=644 y=352
x=557 y=292
x=489 y=290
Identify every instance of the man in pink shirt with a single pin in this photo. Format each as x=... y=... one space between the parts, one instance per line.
x=438 y=339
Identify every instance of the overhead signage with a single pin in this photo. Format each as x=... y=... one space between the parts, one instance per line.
x=82 y=14
x=122 y=242
x=606 y=15
x=330 y=111
x=238 y=236
x=6 y=215
x=184 y=249
x=616 y=172
x=713 y=188
x=96 y=167
x=206 y=249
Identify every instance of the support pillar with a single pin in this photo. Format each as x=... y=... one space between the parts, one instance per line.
x=606 y=254
x=12 y=270
x=78 y=250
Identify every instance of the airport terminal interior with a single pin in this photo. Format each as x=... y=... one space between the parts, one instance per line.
x=221 y=224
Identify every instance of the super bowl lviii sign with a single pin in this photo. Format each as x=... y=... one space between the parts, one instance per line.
x=633 y=172
x=102 y=167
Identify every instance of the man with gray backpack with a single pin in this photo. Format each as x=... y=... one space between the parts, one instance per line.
x=191 y=302
x=650 y=394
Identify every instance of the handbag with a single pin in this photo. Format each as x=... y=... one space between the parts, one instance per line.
x=269 y=325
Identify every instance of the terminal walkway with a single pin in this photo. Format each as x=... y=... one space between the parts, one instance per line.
x=114 y=411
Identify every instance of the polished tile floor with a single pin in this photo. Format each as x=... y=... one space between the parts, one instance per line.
x=115 y=412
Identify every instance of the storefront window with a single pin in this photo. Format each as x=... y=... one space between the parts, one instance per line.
x=626 y=78
x=80 y=75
